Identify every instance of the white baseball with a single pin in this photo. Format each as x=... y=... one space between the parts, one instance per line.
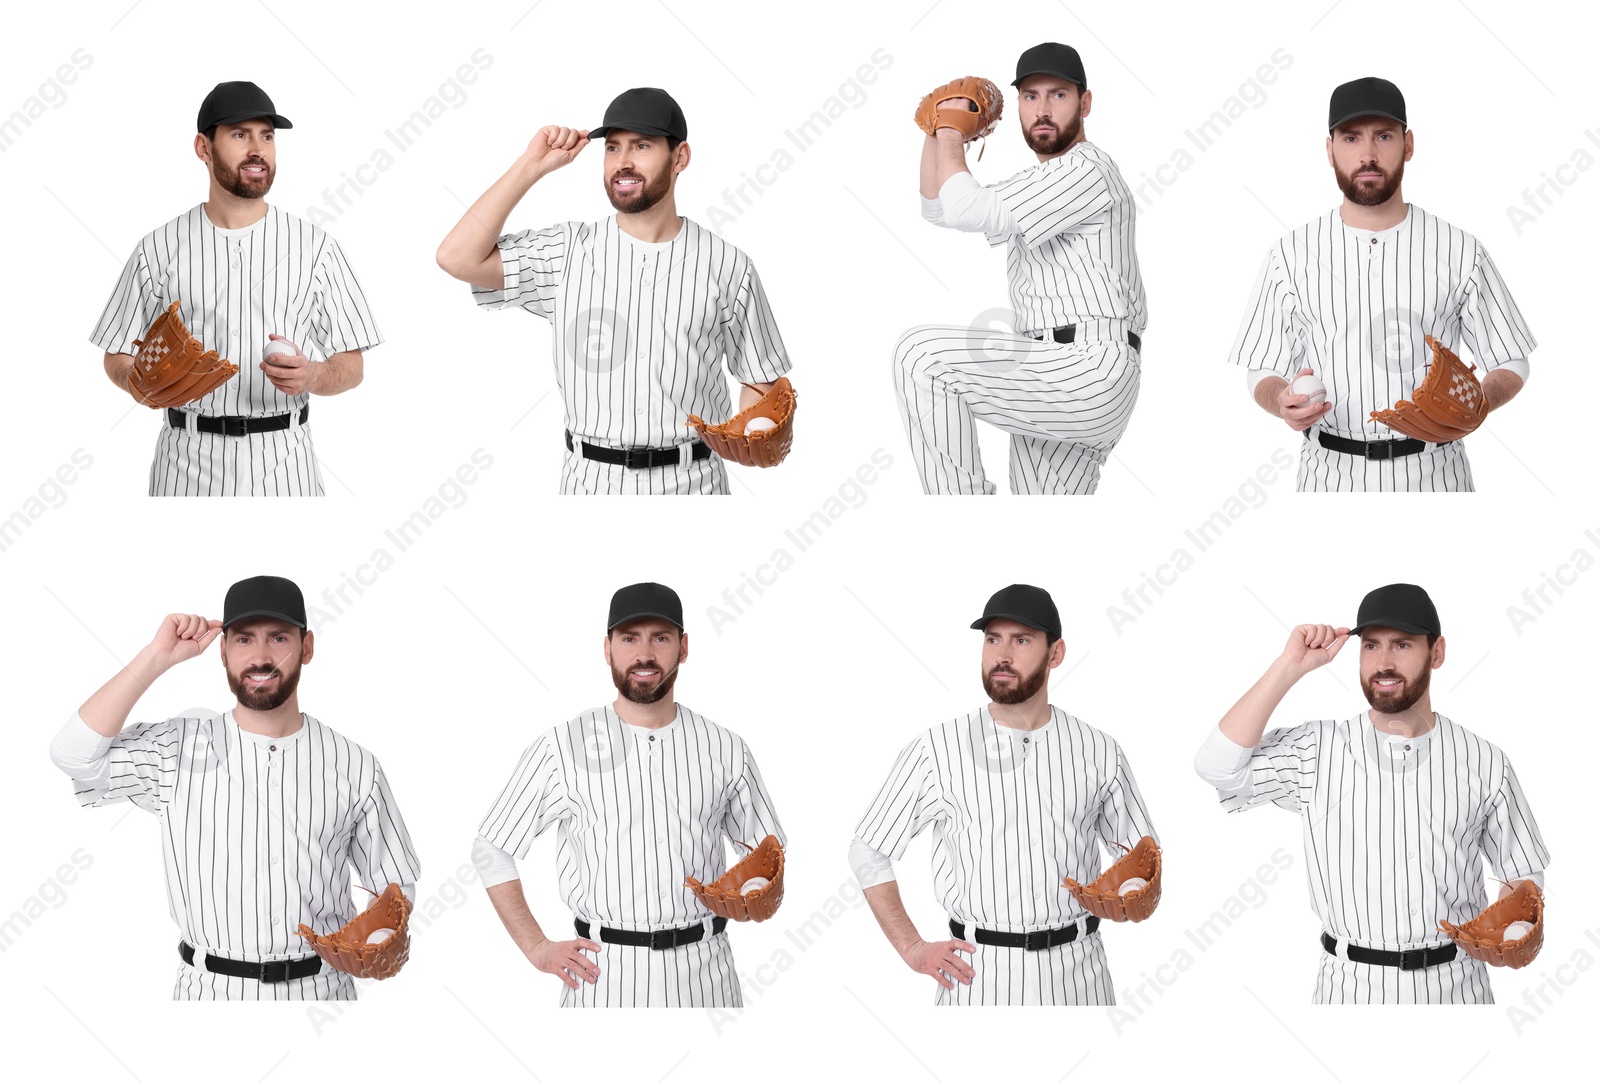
x=1517 y=930
x=755 y=883
x=1311 y=387
x=275 y=347
x=380 y=936
x=760 y=424
x=1133 y=883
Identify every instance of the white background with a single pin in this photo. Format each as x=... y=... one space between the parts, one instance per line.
x=488 y=628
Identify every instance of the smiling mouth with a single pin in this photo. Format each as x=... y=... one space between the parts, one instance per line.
x=260 y=678
x=254 y=170
x=1388 y=682
x=644 y=674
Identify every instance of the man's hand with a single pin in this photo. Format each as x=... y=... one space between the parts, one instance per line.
x=939 y=959
x=565 y=959
x=291 y=373
x=182 y=636
x=553 y=147
x=1297 y=411
x=1312 y=646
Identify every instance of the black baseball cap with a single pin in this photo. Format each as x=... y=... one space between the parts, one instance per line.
x=264 y=596
x=1404 y=607
x=645 y=600
x=229 y=103
x=1366 y=97
x=647 y=110
x=1024 y=604
x=1052 y=58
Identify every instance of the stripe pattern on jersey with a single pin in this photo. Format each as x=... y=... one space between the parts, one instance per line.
x=642 y=331
x=705 y=477
x=1396 y=831
x=1354 y=306
x=1065 y=405
x=1013 y=812
x=1073 y=260
x=281 y=276
x=637 y=811
x=257 y=839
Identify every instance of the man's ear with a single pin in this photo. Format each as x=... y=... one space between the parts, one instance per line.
x=1329 y=146
x=1058 y=653
x=202 y=147
x=608 y=648
x=680 y=158
x=1087 y=97
x=1438 y=654
x=307 y=646
x=683 y=647
x=1411 y=146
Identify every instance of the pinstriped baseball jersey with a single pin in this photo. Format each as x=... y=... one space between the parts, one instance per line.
x=280 y=276
x=642 y=330
x=1072 y=260
x=1353 y=306
x=637 y=810
x=1012 y=812
x=1396 y=831
x=258 y=836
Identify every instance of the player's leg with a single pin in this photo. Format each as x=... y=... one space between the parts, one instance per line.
x=935 y=373
x=584 y=477
x=706 y=477
x=1081 y=975
x=282 y=463
x=1056 y=467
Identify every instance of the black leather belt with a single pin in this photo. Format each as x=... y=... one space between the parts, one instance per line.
x=1371 y=449
x=1416 y=959
x=656 y=940
x=282 y=970
x=638 y=458
x=1038 y=940
x=1066 y=334
x=235 y=426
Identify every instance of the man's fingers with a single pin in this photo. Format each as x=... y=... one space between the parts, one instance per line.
x=586 y=945
x=938 y=976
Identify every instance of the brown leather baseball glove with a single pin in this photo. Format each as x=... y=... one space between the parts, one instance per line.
x=725 y=896
x=1484 y=936
x=350 y=949
x=985 y=104
x=173 y=367
x=1447 y=405
x=1106 y=901
x=764 y=446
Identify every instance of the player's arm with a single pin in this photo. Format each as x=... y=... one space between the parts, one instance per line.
x=749 y=396
x=564 y=958
x=950 y=150
x=180 y=637
x=875 y=872
x=470 y=252
x=1310 y=647
x=295 y=373
x=1273 y=394
x=119 y=366
x=1500 y=387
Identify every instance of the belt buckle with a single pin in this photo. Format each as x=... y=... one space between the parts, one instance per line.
x=1415 y=959
x=235 y=426
x=1038 y=940
x=663 y=939
x=636 y=458
x=1384 y=450
x=275 y=972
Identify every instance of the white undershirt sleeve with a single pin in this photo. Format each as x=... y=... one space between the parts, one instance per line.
x=1222 y=763
x=1253 y=377
x=871 y=866
x=972 y=208
x=494 y=865
x=933 y=210
x=1518 y=365
x=81 y=752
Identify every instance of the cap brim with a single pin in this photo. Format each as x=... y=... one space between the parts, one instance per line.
x=1398 y=625
x=1027 y=622
x=274 y=614
x=277 y=121
x=1046 y=71
x=641 y=616
x=602 y=131
x=1367 y=113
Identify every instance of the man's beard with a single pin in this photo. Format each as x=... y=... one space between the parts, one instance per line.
x=1060 y=139
x=1024 y=688
x=634 y=694
x=649 y=194
x=1396 y=702
x=1365 y=196
x=234 y=181
x=259 y=699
